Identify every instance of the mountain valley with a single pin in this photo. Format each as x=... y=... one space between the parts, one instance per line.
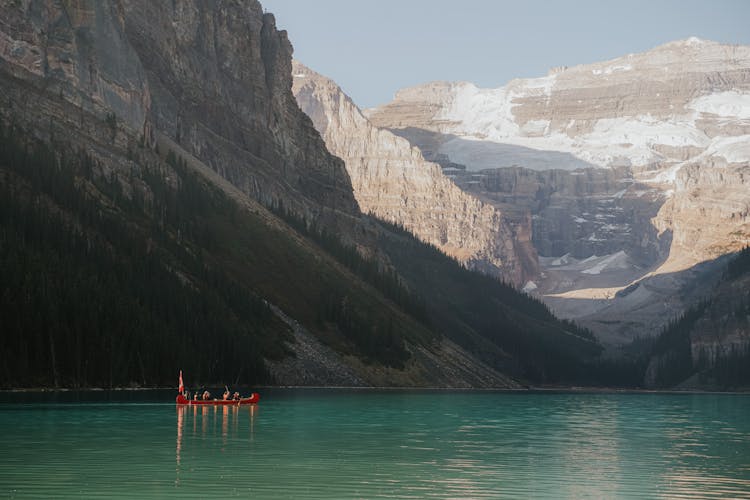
x=178 y=191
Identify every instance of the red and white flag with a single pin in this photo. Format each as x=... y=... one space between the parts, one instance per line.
x=181 y=389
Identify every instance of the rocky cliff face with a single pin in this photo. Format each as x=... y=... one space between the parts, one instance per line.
x=80 y=51
x=708 y=213
x=583 y=213
x=220 y=77
x=679 y=105
x=214 y=78
x=646 y=154
x=392 y=180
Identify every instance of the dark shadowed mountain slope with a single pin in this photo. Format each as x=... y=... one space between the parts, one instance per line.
x=708 y=347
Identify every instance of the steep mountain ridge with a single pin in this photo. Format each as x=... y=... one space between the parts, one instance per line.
x=224 y=98
x=182 y=70
x=392 y=181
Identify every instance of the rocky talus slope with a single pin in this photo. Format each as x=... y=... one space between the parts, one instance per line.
x=392 y=181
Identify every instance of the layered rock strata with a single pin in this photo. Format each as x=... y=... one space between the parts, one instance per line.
x=220 y=79
x=392 y=181
x=683 y=106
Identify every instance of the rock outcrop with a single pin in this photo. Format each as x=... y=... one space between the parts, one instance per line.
x=81 y=52
x=708 y=213
x=681 y=104
x=220 y=79
x=392 y=181
x=183 y=70
x=582 y=213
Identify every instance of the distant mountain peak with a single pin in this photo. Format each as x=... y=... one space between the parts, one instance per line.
x=668 y=128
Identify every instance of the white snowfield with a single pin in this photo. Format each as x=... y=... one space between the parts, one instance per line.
x=487 y=116
x=730 y=104
x=491 y=116
x=596 y=264
x=611 y=69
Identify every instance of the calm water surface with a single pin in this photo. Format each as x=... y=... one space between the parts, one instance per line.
x=377 y=444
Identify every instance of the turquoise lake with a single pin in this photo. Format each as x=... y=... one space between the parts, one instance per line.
x=376 y=444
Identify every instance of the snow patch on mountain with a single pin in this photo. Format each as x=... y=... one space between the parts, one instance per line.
x=487 y=115
x=594 y=264
x=478 y=154
x=654 y=124
x=730 y=104
x=611 y=69
x=482 y=112
x=643 y=131
x=733 y=149
x=544 y=84
x=618 y=260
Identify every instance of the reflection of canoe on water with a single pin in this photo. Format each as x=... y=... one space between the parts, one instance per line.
x=253 y=399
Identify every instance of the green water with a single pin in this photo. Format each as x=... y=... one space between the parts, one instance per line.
x=377 y=444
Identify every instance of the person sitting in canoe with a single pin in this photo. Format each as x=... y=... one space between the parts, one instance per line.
x=236 y=396
x=226 y=395
x=206 y=395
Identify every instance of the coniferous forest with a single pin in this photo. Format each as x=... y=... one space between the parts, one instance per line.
x=98 y=291
x=685 y=349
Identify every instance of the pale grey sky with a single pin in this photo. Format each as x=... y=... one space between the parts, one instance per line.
x=373 y=48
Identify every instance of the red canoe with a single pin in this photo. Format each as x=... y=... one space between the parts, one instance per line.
x=253 y=399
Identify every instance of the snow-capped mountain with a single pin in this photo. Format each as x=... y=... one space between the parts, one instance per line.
x=682 y=101
x=647 y=154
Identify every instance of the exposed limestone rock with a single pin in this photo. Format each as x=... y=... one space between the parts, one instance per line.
x=392 y=180
x=78 y=52
x=709 y=213
x=181 y=68
x=581 y=213
x=642 y=110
